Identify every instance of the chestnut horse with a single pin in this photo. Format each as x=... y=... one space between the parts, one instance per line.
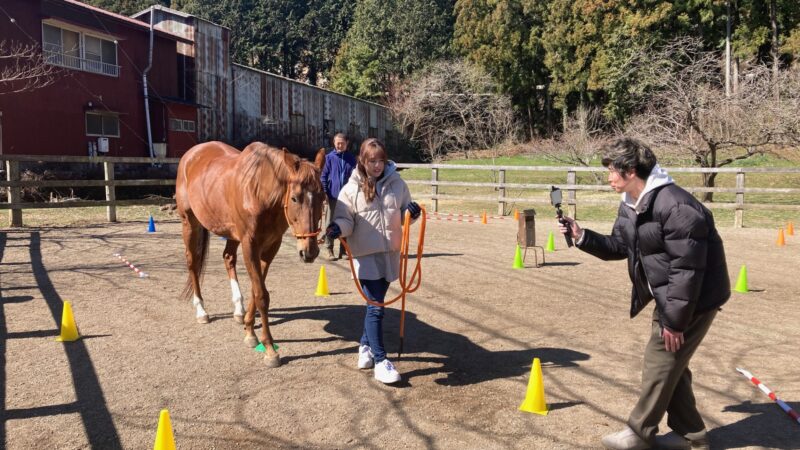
x=250 y=198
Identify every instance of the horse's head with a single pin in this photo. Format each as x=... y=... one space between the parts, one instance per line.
x=303 y=203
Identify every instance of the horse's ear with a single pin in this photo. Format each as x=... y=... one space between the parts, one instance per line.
x=291 y=160
x=319 y=160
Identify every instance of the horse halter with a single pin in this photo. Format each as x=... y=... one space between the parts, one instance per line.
x=312 y=234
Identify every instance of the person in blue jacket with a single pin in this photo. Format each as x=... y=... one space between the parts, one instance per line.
x=339 y=164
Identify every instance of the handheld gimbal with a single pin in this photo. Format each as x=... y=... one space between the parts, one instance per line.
x=555 y=200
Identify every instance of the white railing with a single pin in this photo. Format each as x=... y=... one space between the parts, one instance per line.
x=88 y=65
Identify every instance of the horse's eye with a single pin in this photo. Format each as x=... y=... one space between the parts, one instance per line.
x=294 y=199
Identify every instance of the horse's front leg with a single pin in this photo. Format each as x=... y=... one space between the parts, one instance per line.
x=259 y=298
x=271 y=356
x=229 y=256
x=253 y=266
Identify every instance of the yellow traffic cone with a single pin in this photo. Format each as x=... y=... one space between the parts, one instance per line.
x=781 y=241
x=69 y=332
x=164 y=438
x=534 y=398
x=790 y=229
x=483 y=218
x=322 y=284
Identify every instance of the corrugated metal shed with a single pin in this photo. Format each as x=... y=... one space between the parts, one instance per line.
x=246 y=104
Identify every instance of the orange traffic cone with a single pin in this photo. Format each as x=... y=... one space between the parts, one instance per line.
x=790 y=229
x=483 y=218
x=516 y=214
x=781 y=241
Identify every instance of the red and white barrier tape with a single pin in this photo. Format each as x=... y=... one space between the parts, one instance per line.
x=786 y=408
x=479 y=217
x=452 y=219
x=140 y=273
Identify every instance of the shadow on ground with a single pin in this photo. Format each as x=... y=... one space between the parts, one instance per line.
x=461 y=362
x=767 y=426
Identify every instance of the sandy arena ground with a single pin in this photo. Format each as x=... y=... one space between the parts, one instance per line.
x=472 y=331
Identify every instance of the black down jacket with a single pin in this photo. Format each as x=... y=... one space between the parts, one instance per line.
x=671 y=244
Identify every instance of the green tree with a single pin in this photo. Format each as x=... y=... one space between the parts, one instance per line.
x=589 y=44
x=297 y=39
x=388 y=41
x=505 y=38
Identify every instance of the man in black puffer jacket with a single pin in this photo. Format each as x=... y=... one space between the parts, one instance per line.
x=676 y=257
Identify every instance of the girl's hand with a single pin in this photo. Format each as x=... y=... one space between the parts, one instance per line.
x=414 y=209
x=333 y=231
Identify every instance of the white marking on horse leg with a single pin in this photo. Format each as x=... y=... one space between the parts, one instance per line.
x=236 y=298
x=198 y=304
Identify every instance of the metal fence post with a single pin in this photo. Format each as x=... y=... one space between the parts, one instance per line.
x=14 y=193
x=501 y=191
x=571 y=200
x=435 y=189
x=111 y=195
x=738 y=217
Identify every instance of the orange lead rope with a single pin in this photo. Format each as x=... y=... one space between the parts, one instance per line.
x=406 y=286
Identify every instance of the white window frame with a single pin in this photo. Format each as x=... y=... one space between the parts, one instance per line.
x=81 y=62
x=102 y=115
x=181 y=125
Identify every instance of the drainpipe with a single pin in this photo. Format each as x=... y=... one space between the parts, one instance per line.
x=144 y=82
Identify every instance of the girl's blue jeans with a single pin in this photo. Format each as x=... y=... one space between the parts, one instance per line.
x=375 y=290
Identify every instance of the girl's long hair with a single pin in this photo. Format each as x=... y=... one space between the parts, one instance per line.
x=370 y=149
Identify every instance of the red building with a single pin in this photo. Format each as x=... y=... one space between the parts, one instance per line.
x=96 y=102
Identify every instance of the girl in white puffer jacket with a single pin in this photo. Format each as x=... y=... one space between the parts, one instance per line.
x=369 y=213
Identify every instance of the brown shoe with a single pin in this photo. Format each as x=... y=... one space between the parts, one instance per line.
x=331 y=256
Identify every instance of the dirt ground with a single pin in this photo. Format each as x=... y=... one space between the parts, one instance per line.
x=472 y=331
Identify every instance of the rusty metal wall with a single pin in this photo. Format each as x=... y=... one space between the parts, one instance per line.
x=264 y=106
x=243 y=104
x=210 y=66
x=213 y=79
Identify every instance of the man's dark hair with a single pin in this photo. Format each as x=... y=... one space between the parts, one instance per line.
x=628 y=154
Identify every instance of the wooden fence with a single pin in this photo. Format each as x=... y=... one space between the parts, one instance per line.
x=14 y=185
x=571 y=187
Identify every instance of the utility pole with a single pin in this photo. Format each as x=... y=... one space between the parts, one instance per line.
x=773 y=17
x=728 y=53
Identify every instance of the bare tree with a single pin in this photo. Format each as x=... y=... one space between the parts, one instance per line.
x=453 y=107
x=688 y=113
x=581 y=141
x=22 y=68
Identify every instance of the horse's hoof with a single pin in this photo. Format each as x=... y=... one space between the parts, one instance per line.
x=238 y=319
x=251 y=341
x=272 y=361
x=203 y=319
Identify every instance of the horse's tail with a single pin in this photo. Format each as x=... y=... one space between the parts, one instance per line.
x=202 y=251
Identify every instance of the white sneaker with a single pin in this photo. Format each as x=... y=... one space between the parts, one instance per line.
x=626 y=439
x=386 y=373
x=365 y=357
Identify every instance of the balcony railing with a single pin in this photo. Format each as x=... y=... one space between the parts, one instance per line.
x=88 y=65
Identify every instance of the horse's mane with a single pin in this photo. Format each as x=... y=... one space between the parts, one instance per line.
x=266 y=171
